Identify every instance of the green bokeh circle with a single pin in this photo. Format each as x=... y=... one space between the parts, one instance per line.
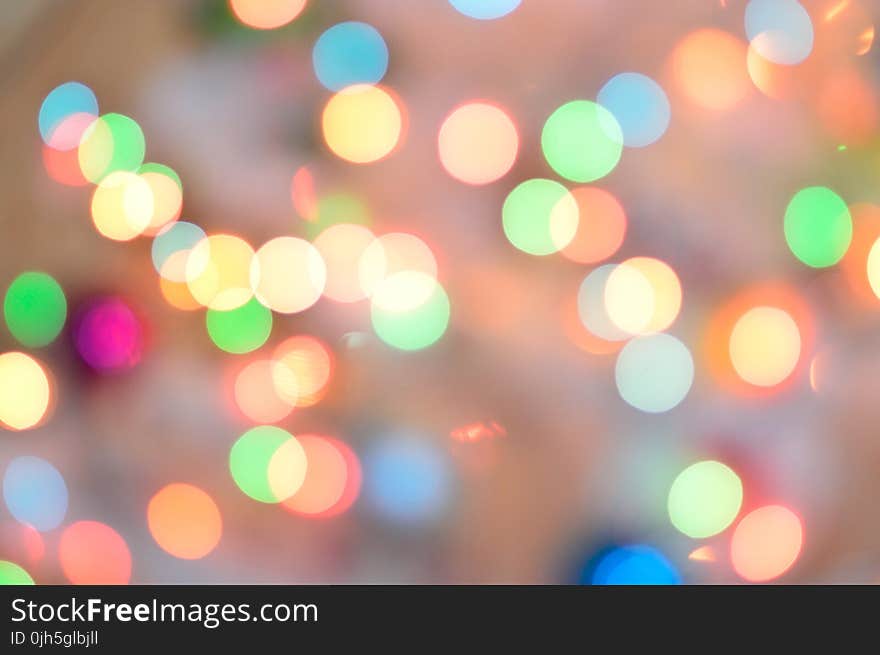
x=35 y=309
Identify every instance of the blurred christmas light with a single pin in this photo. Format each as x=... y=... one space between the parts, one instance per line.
x=582 y=141
x=35 y=492
x=184 y=521
x=12 y=574
x=392 y=253
x=709 y=67
x=35 y=309
x=410 y=310
x=108 y=336
x=362 y=123
x=171 y=248
x=301 y=371
x=266 y=14
x=818 y=226
x=122 y=206
x=766 y=543
x=780 y=30
x=540 y=217
x=635 y=565
x=112 y=143
x=288 y=275
x=407 y=480
x=268 y=464
x=341 y=246
x=93 y=553
x=704 y=499
x=478 y=143
x=654 y=373
x=325 y=479
x=265 y=393
x=485 y=9
x=64 y=101
x=350 y=53
x=218 y=271
x=25 y=391
x=240 y=330
x=640 y=106
x=765 y=346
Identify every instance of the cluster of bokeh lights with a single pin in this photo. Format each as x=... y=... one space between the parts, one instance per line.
x=757 y=341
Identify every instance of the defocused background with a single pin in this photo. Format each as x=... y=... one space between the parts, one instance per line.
x=442 y=291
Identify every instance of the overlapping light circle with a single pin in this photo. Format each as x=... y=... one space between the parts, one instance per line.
x=654 y=373
x=362 y=123
x=350 y=53
x=582 y=141
x=268 y=464
x=640 y=106
x=218 y=271
x=781 y=31
x=410 y=310
x=35 y=309
x=540 y=216
x=704 y=499
x=288 y=275
x=25 y=391
x=478 y=143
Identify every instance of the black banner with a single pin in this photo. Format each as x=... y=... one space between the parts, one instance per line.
x=123 y=619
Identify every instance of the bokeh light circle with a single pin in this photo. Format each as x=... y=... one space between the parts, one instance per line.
x=112 y=143
x=302 y=369
x=25 y=391
x=62 y=102
x=341 y=246
x=12 y=574
x=266 y=14
x=410 y=310
x=350 y=53
x=288 y=275
x=167 y=195
x=35 y=492
x=92 y=553
x=873 y=268
x=710 y=67
x=780 y=30
x=704 y=499
x=35 y=309
x=818 y=226
x=122 y=206
x=540 y=217
x=485 y=9
x=171 y=247
x=407 y=480
x=326 y=477
x=635 y=565
x=259 y=395
x=184 y=521
x=582 y=141
x=392 y=253
x=640 y=106
x=218 y=271
x=654 y=373
x=268 y=464
x=591 y=307
x=362 y=123
x=108 y=336
x=601 y=226
x=766 y=543
x=240 y=330
x=642 y=295
x=478 y=143
x=765 y=346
